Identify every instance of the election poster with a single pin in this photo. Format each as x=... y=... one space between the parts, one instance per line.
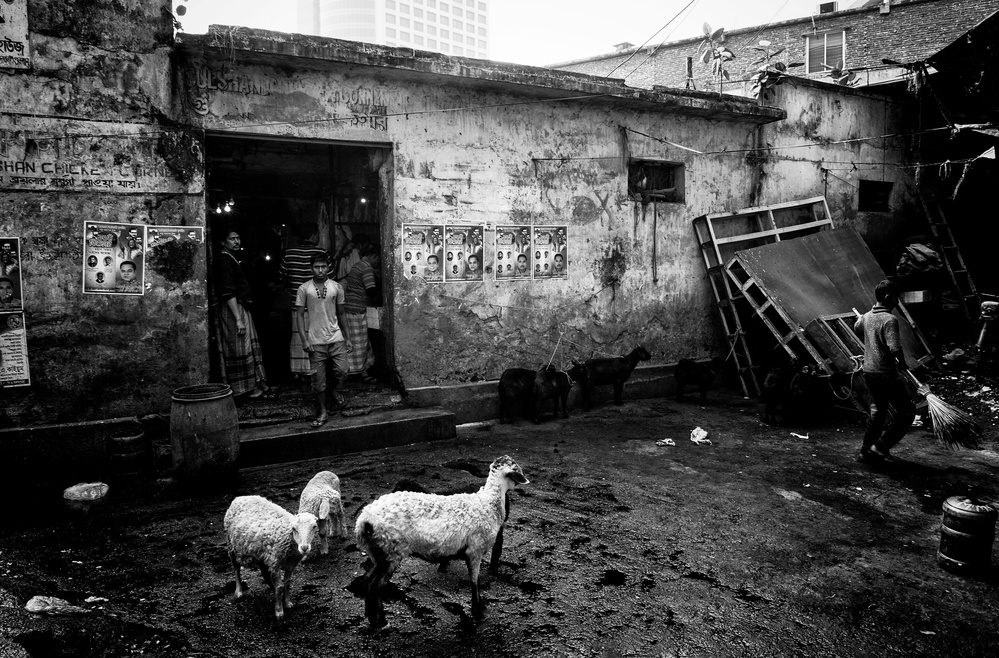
x=422 y=252
x=462 y=252
x=11 y=298
x=113 y=258
x=13 y=351
x=160 y=235
x=513 y=253
x=551 y=252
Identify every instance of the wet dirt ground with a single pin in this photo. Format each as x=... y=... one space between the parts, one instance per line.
x=761 y=544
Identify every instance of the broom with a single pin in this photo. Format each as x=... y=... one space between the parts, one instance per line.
x=952 y=427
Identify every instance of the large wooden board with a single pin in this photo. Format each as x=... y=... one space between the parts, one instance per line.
x=827 y=273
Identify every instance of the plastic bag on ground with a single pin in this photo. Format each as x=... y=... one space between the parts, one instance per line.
x=86 y=491
x=699 y=436
x=50 y=605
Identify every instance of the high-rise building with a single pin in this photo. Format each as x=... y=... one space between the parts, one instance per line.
x=454 y=27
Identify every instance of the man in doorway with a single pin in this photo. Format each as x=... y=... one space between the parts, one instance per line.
x=319 y=305
x=295 y=269
x=362 y=291
x=884 y=363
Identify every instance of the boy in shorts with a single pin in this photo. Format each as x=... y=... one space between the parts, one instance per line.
x=321 y=332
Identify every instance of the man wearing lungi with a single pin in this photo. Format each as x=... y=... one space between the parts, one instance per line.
x=362 y=292
x=242 y=355
x=296 y=269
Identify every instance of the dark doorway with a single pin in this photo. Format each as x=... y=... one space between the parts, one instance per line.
x=267 y=189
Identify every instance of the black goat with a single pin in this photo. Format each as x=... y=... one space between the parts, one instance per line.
x=552 y=384
x=691 y=373
x=516 y=385
x=615 y=371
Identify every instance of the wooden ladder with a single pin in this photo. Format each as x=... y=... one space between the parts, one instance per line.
x=960 y=278
x=719 y=235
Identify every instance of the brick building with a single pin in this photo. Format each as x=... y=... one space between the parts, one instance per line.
x=899 y=30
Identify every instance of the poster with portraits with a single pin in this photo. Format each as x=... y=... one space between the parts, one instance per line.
x=551 y=252
x=423 y=252
x=11 y=297
x=513 y=253
x=113 y=256
x=463 y=253
x=13 y=351
x=160 y=235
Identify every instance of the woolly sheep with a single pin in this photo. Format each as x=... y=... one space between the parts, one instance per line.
x=262 y=534
x=324 y=487
x=434 y=528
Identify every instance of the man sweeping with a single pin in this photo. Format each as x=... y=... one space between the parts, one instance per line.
x=884 y=365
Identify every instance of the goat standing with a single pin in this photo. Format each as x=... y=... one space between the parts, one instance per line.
x=614 y=371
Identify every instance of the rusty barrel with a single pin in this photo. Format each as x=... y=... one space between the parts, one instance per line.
x=967 y=530
x=204 y=433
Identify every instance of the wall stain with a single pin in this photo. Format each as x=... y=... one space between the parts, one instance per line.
x=174 y=260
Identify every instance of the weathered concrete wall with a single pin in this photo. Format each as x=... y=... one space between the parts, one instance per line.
x=507 y=158
x=840 y=123
x=85 y=140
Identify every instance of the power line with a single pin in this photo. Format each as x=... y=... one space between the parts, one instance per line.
x=628 y=59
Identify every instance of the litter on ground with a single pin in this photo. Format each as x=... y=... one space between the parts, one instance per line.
x=799 y=436
x=666 y=442
x=699 y=436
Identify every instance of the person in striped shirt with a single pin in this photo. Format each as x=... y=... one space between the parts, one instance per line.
x=362 y=292
x=296 y=270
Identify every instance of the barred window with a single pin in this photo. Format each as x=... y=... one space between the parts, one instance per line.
x=653 y=180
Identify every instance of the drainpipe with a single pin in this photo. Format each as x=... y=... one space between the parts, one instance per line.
x=655 y=242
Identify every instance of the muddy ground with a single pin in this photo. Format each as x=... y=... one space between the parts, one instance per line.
x=761 y=544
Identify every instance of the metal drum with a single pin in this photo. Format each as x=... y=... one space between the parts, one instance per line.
x=204 y=433
x=967 y=530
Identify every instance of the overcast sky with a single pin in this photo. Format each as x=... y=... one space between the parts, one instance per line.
x=539 y=32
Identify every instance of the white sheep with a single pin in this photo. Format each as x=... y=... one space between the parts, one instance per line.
x=262 y=534
x=434 y=528
x=324 y=487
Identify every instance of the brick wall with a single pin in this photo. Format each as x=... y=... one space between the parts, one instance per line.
x=912 y=31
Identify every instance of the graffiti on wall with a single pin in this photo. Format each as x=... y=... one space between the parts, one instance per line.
x=215 y=90
x=35 y=159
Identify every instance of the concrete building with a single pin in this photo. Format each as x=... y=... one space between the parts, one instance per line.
x=453 y=27
x=139 y=127
x=294 y=129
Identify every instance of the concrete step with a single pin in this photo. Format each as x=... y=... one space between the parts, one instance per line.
x=369 y=429
x=298 y=403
